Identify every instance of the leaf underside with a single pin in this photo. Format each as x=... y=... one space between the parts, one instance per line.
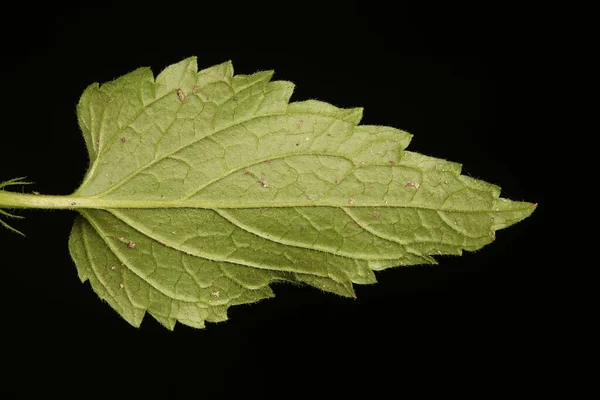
x=232 y=188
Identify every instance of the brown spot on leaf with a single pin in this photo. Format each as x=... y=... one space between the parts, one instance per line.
x=351 y=201
x=264 y=183
x=196 y=89
x=131 y=244
x=180 y=94
x=123 y=140
x=411 y=184
x=392 y=162
x=376 y=214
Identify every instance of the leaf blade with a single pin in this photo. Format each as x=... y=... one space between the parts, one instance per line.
x=249 y=189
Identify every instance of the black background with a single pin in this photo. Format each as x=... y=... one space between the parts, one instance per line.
x=459 y=79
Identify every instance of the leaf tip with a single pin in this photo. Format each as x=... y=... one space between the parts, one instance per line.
x=507 y=213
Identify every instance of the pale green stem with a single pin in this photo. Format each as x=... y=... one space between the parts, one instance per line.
x=21 y=200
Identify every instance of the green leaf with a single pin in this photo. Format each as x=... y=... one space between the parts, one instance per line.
x=209 y=187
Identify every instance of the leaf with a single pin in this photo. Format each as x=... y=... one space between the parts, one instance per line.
x=210 y=187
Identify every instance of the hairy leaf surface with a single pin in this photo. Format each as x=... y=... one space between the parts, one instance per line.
x=213 y=186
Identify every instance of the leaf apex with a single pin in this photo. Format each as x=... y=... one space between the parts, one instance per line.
x=508 y=212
